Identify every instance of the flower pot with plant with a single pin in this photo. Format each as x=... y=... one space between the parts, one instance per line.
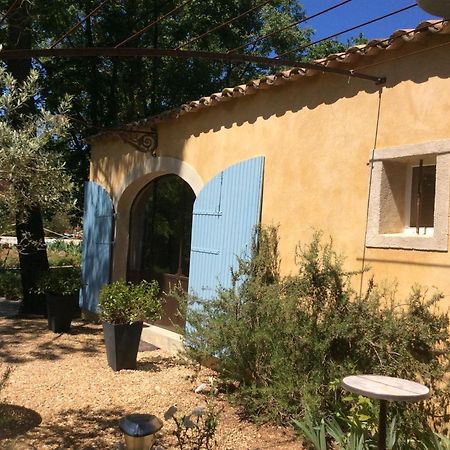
x=123 y=308
x=61 y=287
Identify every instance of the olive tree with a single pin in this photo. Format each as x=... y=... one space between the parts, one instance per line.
x=32 y=173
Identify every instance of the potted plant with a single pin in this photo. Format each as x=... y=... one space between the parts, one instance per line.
x=61 y=287
x=123 y=308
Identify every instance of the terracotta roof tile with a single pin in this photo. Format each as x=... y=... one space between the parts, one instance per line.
x=348 y=58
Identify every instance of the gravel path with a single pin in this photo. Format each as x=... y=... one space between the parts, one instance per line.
x=63 y=395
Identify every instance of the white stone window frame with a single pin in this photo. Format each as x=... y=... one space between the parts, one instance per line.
x=438 y=240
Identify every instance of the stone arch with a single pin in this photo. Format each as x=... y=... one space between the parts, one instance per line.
x=134 y=182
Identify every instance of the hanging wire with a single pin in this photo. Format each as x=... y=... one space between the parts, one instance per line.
x=79 y=23
x=13 y=6
x=347 y=30
x=185 y=54
x=258 y=6
x=375 y=141
x=265 y=36
x=151 y=24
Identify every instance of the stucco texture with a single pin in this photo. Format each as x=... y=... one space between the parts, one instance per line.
x=317 y=135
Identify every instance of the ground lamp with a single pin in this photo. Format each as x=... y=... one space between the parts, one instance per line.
x=140 y=430
x=439 y=8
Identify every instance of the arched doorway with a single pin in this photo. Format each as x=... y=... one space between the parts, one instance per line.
x=160 y=238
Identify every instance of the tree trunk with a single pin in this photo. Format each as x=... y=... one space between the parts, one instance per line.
x=29 y=227
x=33 y=259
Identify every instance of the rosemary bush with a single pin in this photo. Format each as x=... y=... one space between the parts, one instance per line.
x=286 y=342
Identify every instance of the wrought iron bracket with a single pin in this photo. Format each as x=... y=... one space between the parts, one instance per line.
x=145 y=141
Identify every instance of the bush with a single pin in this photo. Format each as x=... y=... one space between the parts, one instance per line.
x=59 y=281
x=10 y=284
x=124 y=303
x=63 y=253
x=286 y=342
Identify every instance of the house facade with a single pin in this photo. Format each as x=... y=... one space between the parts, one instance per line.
x=367 y=164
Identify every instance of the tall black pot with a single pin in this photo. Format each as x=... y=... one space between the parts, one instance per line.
x=61 y=309
x=122 y=344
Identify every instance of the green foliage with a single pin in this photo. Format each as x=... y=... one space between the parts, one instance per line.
x=195 y=431
x=63 y=253
x=60 y=222
x=124 y=303
x=329 y=435
x=10 y=284
x=59 y=281
x=60 y=253
x=284 y=341
x=359 y=414
x=31 y=173
x=108 y=91
x=332 y=46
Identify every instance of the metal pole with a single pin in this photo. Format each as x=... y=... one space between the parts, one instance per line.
x=382 y=425
x=186 y=54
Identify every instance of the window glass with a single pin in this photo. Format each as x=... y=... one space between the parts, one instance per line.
x=160 y=231
x=423 y=188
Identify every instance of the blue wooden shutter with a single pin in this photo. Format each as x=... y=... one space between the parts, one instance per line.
x=97 y=244
x=224 y=217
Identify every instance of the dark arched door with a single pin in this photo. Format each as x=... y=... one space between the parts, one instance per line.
x=160 y=238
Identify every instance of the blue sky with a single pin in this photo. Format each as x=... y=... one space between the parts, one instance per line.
x=359 y=11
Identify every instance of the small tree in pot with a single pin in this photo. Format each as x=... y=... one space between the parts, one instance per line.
x=123 y=308
x=61 y=287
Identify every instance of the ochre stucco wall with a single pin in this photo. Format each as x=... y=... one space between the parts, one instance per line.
x=316 y=134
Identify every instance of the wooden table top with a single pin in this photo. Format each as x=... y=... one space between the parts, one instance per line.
x=382 y=387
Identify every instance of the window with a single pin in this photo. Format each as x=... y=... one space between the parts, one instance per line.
x=409 y=197
x=422 y=192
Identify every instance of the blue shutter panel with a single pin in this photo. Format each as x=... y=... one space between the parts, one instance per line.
x=97 y=244
x=224 y=217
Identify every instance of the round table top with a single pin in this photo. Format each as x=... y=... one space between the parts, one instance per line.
x=382 y=387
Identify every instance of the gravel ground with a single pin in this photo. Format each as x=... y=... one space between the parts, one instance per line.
x=62 y=394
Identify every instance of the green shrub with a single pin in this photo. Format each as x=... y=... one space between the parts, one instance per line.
x=195 y=431
x=9 y=256
x=329 y=435
x=60 y=280
x=63 y=253
x=123 y=302
x=10 y=284
x=286 y=342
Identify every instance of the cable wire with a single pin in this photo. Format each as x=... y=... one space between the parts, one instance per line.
x=186 y=54
x=153 y=23
x=259 y=5
x=348 y=29
x=13 y=6
x=79 y=23
x=265 y=36
x=375 y=142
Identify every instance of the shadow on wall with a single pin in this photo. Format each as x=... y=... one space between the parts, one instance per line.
x=293 y=96
x=311 y=92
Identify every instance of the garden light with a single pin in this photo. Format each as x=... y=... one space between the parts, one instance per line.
x=140 y=430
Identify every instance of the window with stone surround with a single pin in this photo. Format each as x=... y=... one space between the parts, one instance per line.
x=409 y=197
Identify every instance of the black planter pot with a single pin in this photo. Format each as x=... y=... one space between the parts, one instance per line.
x=122 y=344
x=61 y=309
